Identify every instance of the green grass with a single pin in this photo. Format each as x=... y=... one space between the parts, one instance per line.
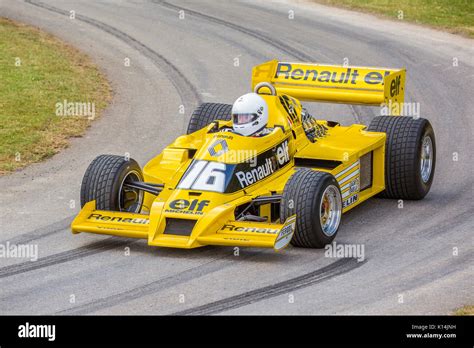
x=455 y=16
x=50 y=71
x=466 y=310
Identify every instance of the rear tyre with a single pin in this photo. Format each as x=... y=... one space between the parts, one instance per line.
x=104 y=182
x=315 y=198
x=410 y=156
x=206 y=113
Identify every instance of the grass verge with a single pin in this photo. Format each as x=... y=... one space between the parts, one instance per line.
x=466 y=310
x=37 y=71
x=455 y=16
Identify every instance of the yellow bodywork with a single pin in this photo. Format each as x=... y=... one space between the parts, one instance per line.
x=207 y=208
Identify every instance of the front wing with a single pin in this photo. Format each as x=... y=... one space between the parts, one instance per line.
x=215 y=228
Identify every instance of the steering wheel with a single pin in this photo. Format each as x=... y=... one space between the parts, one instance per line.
x=268 y=85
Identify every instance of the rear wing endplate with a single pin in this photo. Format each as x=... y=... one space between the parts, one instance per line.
x=335 y=84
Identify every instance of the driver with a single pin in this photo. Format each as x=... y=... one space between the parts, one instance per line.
x=250 y=115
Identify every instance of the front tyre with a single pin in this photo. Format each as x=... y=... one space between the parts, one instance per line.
x=315 y=198
x=410 y=156
x=105 y=182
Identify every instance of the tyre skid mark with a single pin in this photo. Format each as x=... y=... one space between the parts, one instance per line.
x=332 y=270
x=41 y=232
x=184 y=87
x=214 y=265
x=279 y=45
x=447 y=225
x=62 y=257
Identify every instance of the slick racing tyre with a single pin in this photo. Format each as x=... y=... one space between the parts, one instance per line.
x=104 y=182
x=206 y=113
x=315 y=198
x=410 y=156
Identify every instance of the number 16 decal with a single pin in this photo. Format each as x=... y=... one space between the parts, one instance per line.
x=206 y=176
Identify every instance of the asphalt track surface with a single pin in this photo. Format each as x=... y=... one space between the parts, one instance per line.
x=411 y=265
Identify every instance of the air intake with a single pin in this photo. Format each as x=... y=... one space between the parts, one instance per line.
x=366 y=171
x=179 y=227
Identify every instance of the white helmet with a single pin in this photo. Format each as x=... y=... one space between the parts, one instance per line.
x=249 y=114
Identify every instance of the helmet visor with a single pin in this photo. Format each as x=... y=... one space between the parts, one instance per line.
x=244 y=118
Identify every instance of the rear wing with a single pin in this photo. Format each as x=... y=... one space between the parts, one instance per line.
x=336 y=84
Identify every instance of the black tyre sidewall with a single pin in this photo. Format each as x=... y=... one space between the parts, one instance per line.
x=307 y=201
x=421 y=187
x=103 y=179
x=403 y=155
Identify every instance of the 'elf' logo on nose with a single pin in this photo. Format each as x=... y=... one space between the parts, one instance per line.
x=184 y=204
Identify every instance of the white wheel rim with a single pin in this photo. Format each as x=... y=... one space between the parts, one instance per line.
x=426 y=161
x=330 y=209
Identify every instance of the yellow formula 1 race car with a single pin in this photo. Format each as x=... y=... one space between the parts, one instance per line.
x=215 y=187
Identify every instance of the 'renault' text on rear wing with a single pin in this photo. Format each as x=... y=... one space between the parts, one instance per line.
x=335 y=84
